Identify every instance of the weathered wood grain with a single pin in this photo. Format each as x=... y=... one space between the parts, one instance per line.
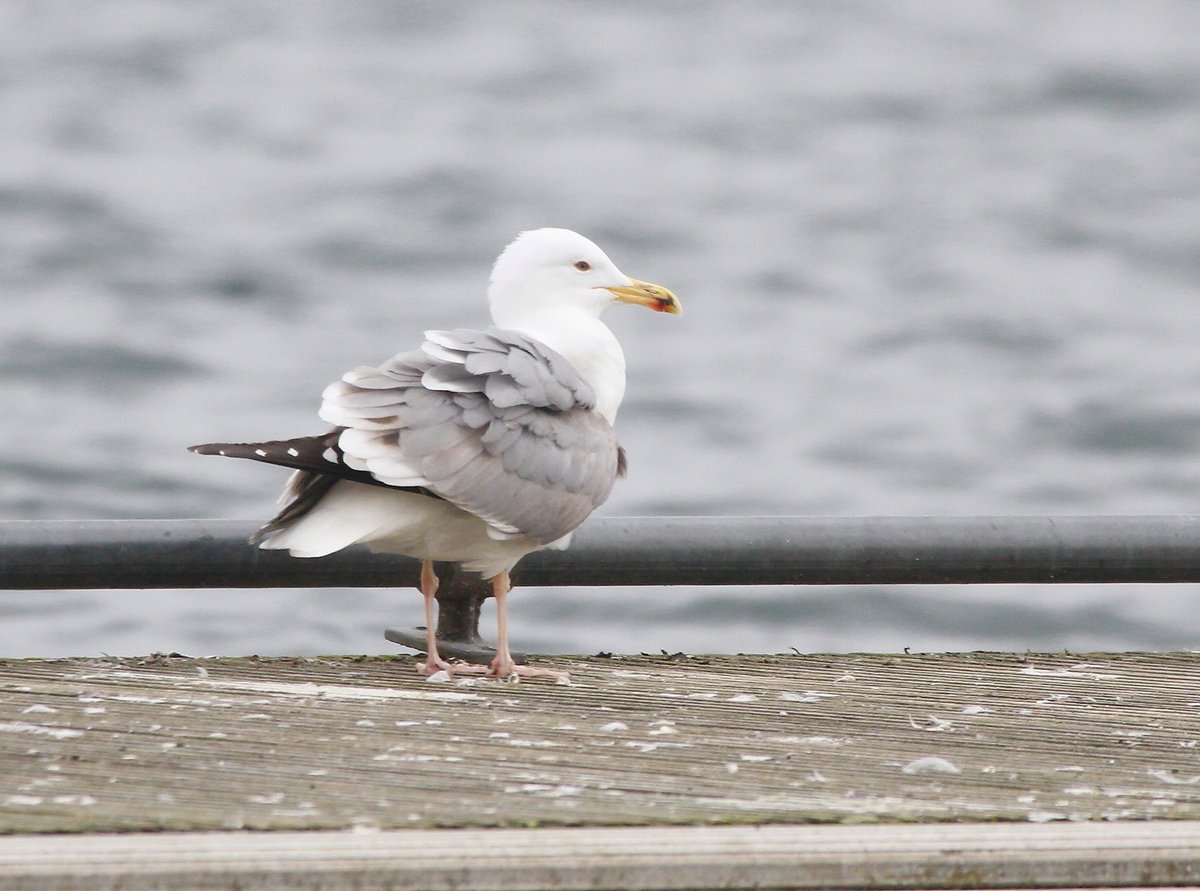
x=972 y=855
x=189 y=744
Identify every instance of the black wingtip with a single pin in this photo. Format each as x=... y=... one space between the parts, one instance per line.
x=319 y=455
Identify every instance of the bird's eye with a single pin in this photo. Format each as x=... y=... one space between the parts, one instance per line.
x=583 y=265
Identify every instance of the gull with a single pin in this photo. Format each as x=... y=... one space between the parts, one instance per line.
x=480 y=446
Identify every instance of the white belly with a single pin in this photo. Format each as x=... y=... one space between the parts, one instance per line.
x=399 y=523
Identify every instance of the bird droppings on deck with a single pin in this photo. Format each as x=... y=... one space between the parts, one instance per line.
x=304 y=690
x=1074 y=671
x=806 y=696
x=932 y=724
x=172 y=742
x=931 y=764
x=38 y=730
x=813 y=740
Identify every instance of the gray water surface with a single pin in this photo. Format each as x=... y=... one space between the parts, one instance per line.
x=936 y=258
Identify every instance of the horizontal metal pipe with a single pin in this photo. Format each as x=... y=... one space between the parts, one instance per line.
x=611 y=551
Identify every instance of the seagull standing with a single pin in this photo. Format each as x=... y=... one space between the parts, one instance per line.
x=480 y=446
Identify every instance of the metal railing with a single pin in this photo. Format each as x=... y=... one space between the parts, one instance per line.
x=611 y=551
x=634 y=551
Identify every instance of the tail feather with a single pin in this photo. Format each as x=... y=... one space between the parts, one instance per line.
x=320 y=454
x=319 y=463
x=304 y=491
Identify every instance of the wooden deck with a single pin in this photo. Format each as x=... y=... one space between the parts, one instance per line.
x=614 y=858
x=367 y=744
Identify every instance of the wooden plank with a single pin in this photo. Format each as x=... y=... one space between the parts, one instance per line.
x=880 y=856
x=168 y=743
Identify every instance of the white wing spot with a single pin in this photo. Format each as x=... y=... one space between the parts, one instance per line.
x=293 y=453
x=260 y=453
x=330 y=455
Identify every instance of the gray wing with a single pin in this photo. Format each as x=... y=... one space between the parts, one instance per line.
x=492 y=421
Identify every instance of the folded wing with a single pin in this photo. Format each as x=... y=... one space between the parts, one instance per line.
x=491 y=421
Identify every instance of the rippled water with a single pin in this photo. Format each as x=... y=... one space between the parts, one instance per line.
x=936 y=258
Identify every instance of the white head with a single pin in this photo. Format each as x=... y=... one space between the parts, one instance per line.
x=556 y=272
x=552 y=284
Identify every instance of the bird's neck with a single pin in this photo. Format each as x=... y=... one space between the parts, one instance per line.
x=588 y=344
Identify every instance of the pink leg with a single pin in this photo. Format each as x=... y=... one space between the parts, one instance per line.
x=503 y=665
x=433 y=661
x=429 y=584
